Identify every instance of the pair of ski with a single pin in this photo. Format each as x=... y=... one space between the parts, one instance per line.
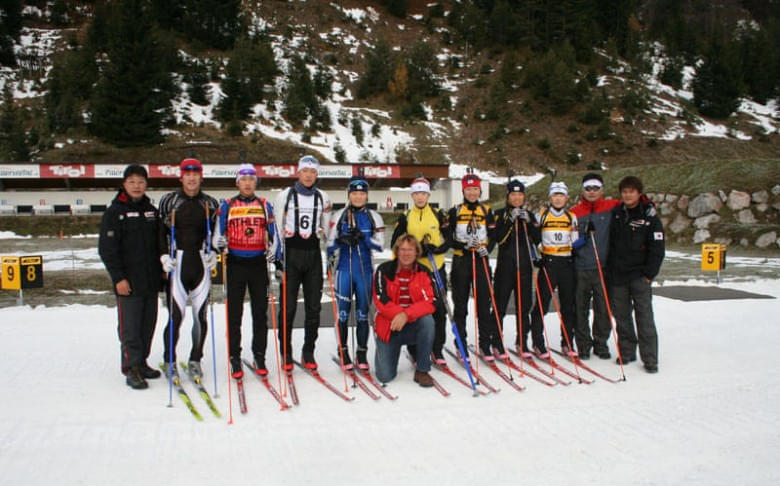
x=186 y=398
x=493 y=365
x=578 y=361
x=556 y=366
x=365 y=374
x=268 y=386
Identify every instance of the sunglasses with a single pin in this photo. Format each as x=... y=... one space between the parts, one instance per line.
x=191 y=168
x=592 y=188
x=247 y=172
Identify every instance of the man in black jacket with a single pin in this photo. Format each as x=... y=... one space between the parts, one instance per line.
x=636 y=251
x=128 y=246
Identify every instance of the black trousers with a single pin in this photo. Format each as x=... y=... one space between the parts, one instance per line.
x=251 y=273
x=635 y=297
x=505 y=285
x=304 y=268
x=561 y=273
x=462 y=283
x=137 y=320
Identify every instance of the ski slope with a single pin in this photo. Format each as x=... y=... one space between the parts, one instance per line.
x=710 y=416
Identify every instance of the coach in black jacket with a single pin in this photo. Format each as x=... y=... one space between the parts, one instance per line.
x=128 y=246
x=636 y=251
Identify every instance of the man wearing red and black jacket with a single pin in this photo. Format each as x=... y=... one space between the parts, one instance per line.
x=593 y=214
x=404 y=299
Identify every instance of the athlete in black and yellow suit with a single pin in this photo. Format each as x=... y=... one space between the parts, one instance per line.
x=471 y=225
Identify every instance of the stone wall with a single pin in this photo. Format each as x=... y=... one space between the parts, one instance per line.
x=739 y=217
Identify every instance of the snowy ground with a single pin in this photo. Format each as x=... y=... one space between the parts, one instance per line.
x=709 y=417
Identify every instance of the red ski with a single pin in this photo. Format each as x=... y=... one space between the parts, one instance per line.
x=493 y=366
x=316 y=375
x=357 y=381
x=533 y=364
x=525 y=372
x=474 y=373
x=444 y=368
x=264 y=380
x=576 y=360
x=369 y=378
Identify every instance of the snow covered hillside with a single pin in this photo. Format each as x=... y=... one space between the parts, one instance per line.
x=709 y=417
x=361 y=132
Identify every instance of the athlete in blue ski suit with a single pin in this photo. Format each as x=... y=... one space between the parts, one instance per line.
x=355 y=232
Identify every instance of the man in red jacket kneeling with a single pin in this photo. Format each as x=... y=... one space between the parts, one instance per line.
x=404 y=298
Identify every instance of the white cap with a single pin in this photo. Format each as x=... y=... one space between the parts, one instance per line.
x=421 y=185
x=308 y=162
x=245 y=170
x=559 y=188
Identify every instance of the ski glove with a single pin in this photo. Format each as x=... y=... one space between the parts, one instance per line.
x=590 y=228
x=482 y=251
x=578 y=243
x=332 y=261
x=168 y=263
x=359 y=235
x=428 y=248
x=539 y=263
x=278 y=273
x=473 y=242
x=347 y=239
x=211 y=260
x=219 y=241
x=520 y=213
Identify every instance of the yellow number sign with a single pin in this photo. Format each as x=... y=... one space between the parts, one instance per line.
x=10 y=267
x=713 y=257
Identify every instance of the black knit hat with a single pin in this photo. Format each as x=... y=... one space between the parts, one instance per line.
x=515 y=186
x=135 y=169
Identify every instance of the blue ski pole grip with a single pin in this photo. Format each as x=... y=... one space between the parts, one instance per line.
x=439 y=283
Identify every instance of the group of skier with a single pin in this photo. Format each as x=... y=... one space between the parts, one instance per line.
x=145 y=249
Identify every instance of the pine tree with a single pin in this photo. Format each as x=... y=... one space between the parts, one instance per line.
x=214 y=23
x=132 y=96
x=300 y=99
x=422 y=65
x=378 y=71
x=758 y=61
x=250 y=68
x=716 y=86
x=198 y=79
x=10 y=28
x=13 y=139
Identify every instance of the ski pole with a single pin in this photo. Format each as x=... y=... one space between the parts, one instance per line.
x=518 y=294
x=351 y=224
x=609 y=307
x=337 y=325
x=539 y=303
x=560 y=318
x=211 y=302
x=276 y=338
x=443 y=297
x=284 y=302
x=170 y=310
x=495 y=311
x=474 y=294
x=227 y=336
